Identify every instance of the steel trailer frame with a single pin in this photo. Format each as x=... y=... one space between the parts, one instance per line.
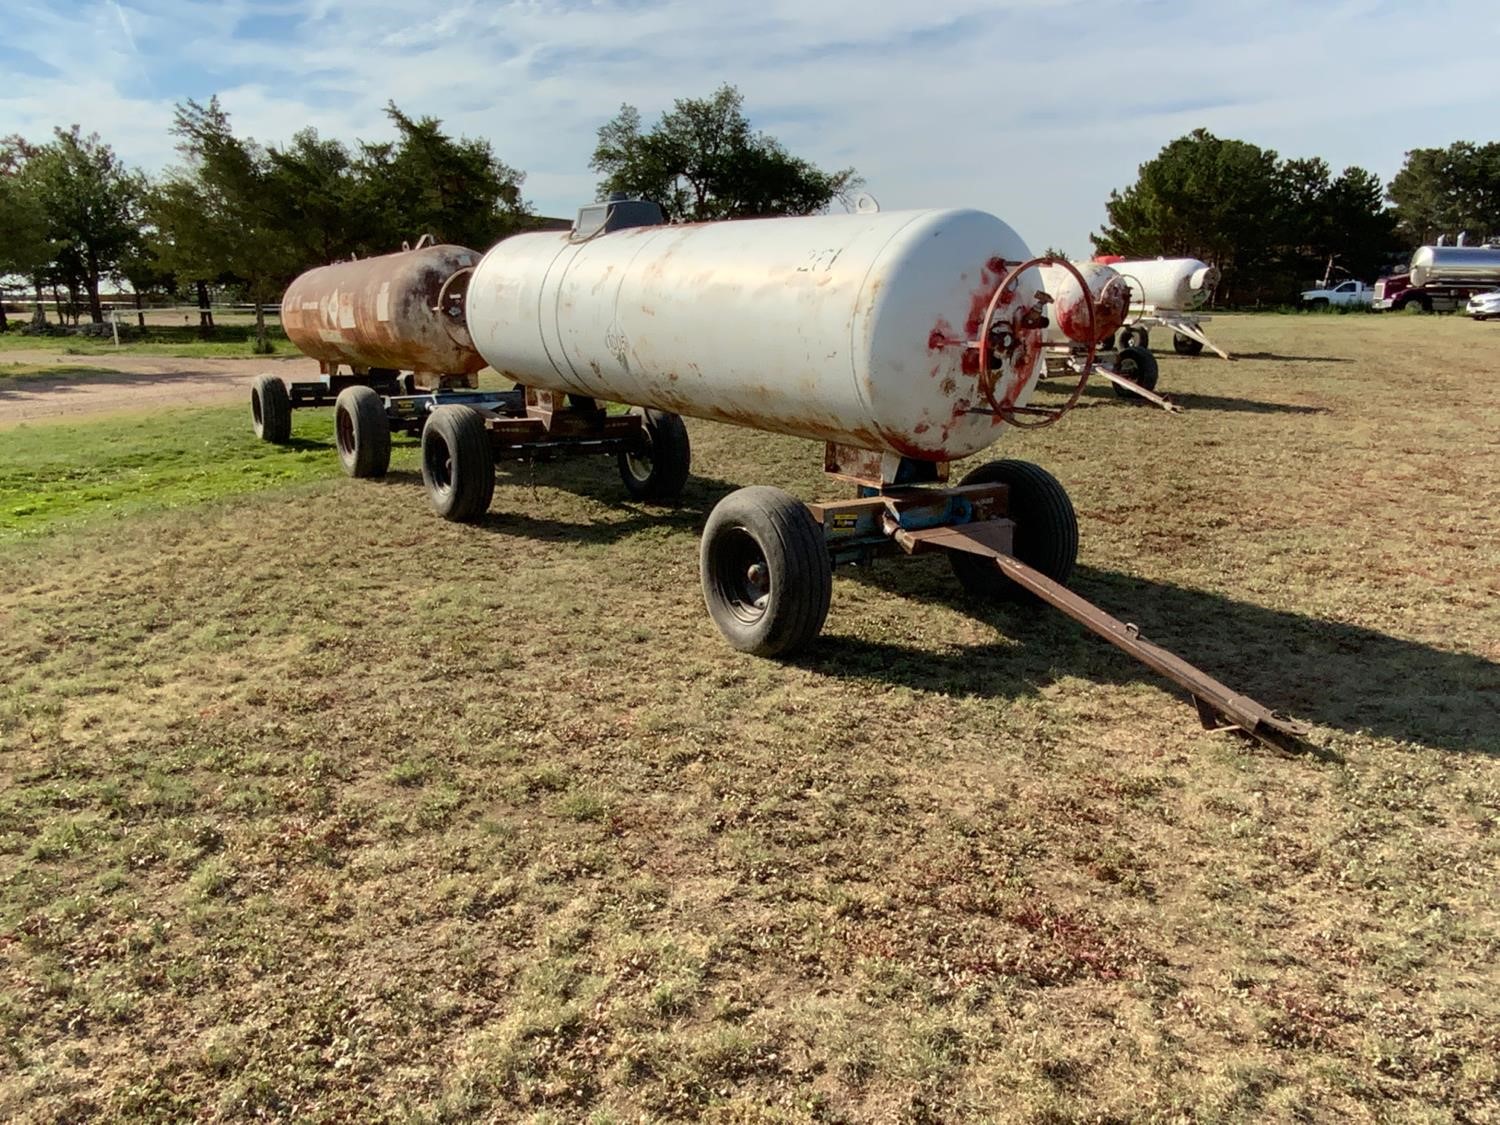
x=975 y=520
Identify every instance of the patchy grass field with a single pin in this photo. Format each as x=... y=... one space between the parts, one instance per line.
x=229 y=340
x=316 y=807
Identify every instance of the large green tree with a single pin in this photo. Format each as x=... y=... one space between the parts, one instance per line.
x=426 y=182
x=1200 y=197
x=25 y=248
x=92 y=204
x=702 y=160
x=322 y=205
x=1449 y=190
x=1270 y=225
x=222 y=211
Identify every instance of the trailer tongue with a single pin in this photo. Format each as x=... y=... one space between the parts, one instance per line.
x=917 y=521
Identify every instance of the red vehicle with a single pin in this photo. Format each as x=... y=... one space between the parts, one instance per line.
x=1440 y=279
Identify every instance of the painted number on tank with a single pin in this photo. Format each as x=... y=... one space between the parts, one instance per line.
x=820 y=260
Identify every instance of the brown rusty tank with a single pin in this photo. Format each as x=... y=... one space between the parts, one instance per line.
x=395 y=312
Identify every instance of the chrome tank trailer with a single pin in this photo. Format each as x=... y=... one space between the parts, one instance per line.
x=857 y=330
x=1069 y=318
x=1168 y=283
x=1455 y=264
x=394 y=312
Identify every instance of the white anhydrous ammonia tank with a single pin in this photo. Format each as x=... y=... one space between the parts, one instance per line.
x=1455 y=264
x=1168 y=283
x=842 y=328
x=1067 y=315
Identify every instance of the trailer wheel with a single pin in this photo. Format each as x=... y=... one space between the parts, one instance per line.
x=458 y=464
x=767 y=576
x=1134 y=337
x=271 y=410
x=659 y=471
x=362 y=431
x=1046 y=535
x=1139 y=366
x=1186 y=345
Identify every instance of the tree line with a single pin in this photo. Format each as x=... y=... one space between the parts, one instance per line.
x=1274 y=225
x=237 y=213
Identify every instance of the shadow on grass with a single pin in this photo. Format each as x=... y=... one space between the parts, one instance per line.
x=62 y=380
x=1293 y=358
x=1190 y=401
x=594 y=478
x=1103 y=393
x=1340 y=676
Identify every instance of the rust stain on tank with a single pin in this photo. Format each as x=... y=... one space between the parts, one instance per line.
x=382 y=312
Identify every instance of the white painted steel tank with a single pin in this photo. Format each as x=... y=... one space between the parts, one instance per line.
x=841 y=328
x=1168 y=283
x=1067 y=315
x=1457 y=264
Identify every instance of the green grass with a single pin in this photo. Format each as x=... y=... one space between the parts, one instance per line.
x=228 y=341
x=315 y=807
x=55 y=475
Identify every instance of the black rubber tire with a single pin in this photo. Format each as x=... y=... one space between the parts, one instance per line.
x=660 y=473
x=1046 y=536
x=1132 y=336
x=271 y=410
x=1318 y=304
x=458 y=463
x=782 y=607
x=362 y=432
x=1186 y=345
x=1138 y=365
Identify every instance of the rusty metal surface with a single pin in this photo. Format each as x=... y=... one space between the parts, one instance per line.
x=1069 y=315
x=851 y=329
x=991 y=537
x=383 y=312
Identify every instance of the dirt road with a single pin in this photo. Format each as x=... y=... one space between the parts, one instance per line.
x=114 y=385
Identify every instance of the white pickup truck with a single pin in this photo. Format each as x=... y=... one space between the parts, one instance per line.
x=1344 y=293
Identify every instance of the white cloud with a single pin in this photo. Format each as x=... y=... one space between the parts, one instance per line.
x=1028 y=108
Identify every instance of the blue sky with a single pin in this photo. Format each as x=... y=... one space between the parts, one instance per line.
x=1031 y=109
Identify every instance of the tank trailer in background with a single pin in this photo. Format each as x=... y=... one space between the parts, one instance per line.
x=1440 y=279
x=902 y=341
x=1131 y=369
x=1165 y=293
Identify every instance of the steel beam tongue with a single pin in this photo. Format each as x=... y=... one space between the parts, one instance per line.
x=1219 y=708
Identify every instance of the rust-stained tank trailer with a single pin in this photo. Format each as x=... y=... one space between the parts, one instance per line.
x=1130 y=368
x=385 y=316
x=902 y=341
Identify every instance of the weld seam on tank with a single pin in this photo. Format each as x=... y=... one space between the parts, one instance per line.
x=864 y=283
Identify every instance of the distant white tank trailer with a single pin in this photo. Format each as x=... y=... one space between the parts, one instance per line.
x=1166 y=293
x=902 y=341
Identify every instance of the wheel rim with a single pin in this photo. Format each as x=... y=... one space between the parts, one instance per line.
x=639 y=466
x=741 y=575
x=344 y=424
x=437 y=459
